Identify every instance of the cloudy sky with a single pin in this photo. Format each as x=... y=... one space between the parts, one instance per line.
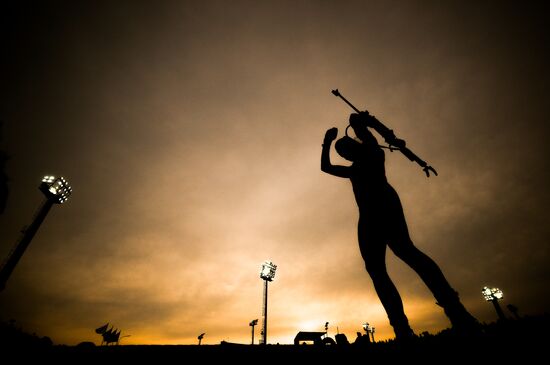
x=191 y=133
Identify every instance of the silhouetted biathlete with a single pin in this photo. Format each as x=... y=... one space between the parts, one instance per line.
x=382 y=222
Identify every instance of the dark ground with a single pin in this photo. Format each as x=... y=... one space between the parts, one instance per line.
x=523 y=340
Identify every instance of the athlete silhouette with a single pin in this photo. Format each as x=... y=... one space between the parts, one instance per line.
x=382 y=223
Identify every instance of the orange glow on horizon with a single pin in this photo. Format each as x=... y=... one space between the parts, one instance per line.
x=192 y=137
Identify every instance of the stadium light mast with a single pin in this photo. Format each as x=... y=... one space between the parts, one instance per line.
x=267 y=274
x=57 y=191
x=253 y=323
x=368 y=331
x=494 y=295
x=200 y=337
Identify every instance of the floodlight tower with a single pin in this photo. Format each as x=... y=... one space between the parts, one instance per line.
x=367 y=329
x=494 y=295
x=200 y=337
x=57 y=191
x=267 y=274
x=253 y=323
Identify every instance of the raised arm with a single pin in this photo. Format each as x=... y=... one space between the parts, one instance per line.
x=326 y=165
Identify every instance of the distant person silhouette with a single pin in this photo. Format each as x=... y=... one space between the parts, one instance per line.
x=382 y=222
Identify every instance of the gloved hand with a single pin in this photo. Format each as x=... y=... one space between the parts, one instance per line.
x=330 y=135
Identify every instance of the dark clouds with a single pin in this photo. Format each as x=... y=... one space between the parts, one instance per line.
x=191 y=133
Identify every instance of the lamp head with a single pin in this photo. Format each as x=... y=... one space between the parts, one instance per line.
x=491 y=294
x=267 y=271
x=56 y=188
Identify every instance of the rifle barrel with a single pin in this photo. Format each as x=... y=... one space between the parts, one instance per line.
x=389 y=136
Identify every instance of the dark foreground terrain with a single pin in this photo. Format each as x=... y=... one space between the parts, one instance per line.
x=523 y=340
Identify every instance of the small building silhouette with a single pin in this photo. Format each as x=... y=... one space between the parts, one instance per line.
x=315 y=337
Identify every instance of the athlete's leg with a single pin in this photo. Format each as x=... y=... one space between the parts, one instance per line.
x=373 y=250
x=403 y=247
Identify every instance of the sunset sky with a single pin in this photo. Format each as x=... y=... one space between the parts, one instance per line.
x=191 y=133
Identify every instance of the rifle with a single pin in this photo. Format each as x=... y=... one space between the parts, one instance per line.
x=393 y=142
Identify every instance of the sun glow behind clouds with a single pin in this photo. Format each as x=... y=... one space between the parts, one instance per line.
x=195 y=145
